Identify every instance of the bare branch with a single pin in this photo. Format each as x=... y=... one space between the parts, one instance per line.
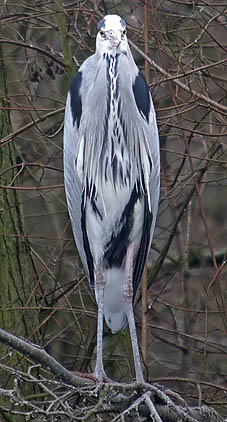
x=40 y=356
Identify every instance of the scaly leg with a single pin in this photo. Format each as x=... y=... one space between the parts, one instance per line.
x=128 y=297
x=99 y=372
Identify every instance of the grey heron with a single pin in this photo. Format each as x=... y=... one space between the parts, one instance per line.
x=111 y=173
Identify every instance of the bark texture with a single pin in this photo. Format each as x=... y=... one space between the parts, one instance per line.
x=15 y=262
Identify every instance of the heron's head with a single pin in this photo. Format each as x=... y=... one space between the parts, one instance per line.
x=111 y=37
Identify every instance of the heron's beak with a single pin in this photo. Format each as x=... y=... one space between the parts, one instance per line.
x=114 y=38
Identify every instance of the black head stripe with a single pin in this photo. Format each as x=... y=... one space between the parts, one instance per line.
x=123 y=23
x=101 y=24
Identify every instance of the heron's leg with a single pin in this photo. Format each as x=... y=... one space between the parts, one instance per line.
x=128 y=297
x=100 y=286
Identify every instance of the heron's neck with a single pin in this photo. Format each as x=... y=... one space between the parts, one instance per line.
x=113 y=151
x=111 y=65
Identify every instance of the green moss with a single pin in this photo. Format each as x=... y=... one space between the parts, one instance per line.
x=15 y=274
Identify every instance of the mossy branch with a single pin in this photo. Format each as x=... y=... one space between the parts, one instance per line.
x=60 y=18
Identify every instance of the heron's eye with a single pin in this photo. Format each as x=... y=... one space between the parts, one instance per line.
x=124 y=32
x=102 y=33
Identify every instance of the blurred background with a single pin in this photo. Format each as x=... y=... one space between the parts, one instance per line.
x=45 y=297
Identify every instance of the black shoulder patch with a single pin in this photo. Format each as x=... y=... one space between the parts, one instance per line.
x=76 y=104
x=142 y=96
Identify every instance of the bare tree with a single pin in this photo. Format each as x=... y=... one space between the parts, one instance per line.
x=15 y=274
x=181 y=316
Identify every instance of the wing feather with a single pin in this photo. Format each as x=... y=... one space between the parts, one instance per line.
x=149 y=172
x=73 y=184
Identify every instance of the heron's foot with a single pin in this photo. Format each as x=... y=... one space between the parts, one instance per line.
x=100 y=374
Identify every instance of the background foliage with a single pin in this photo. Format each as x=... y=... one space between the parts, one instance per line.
x=181 y=47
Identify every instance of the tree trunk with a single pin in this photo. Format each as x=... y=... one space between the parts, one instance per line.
x=15 y=261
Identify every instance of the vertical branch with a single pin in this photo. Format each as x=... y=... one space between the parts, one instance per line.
x=189 y=318
x=144 y=278
x=204 y=220
x=144 y=317
x=66 y=46
x=146 y=39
